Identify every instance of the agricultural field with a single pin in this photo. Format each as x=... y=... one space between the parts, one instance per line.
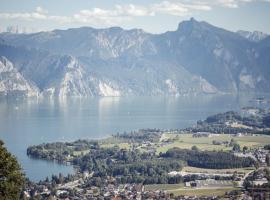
x=202 y=192
x=112 y=141
x=166 y=187
x=78 y=153
x=253 y=141
x=217 y=171
x=186 y=141
x=122 y=145
x=180 y=189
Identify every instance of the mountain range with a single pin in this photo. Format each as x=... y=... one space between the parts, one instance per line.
x=197 y=58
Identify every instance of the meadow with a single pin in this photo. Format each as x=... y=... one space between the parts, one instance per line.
x=186 y=141
x=179 y=189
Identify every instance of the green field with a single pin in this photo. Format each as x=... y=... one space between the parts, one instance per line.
x=179 y=189
x=155 y=187
x=186 y=141
x=202 y=192
x=217 y=171
x=112 y=141
x=120 y=145
x=77 y=153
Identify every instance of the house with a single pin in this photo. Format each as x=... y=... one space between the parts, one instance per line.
x=239 y=135
x=61 y=192
x=201 y=134
x=260 y=182
x=187 y=184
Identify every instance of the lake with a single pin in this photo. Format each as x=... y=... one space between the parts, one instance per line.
x=35 y=121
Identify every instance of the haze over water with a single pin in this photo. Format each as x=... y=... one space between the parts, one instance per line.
x=31 y=122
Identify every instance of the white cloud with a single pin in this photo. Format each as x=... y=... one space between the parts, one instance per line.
x=120 y=13
x=132 y=10
x=91 y=16
x=25 y=16
x=170 y=8
x=114 y=16
x=41 y=10
x=178 y=8
x=120 y=10
x=229 y=3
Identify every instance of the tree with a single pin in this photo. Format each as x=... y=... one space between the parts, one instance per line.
x=61 y=178
x=194 y=148
x=245 y=148
x=236 y=147
x=266 y=121
x=267 y=173
x=232 y=142
x=267 y=159
x=11 y=176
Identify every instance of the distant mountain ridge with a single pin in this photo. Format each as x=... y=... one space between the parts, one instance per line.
x=197 y=58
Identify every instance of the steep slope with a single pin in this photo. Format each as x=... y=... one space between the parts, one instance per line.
x=52 y=74
x=223 y=58
x=254 y=36
x=145 y=76
x=12 y=82
x=97 y=43
x=61 y=75
x=196 y=58
x=263 y=59
x=72 y=80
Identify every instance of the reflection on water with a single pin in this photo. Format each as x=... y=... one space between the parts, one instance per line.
x=34 y=121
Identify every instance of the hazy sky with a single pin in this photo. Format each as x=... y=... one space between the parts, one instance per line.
x=151 y=15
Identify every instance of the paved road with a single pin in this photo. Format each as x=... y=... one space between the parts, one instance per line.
x=246 y=175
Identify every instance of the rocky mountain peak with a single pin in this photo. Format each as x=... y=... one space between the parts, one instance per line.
x=189 y=25
x=114 y=61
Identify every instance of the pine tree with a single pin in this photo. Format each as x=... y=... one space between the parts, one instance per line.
x=11 y=177
x=267 y=159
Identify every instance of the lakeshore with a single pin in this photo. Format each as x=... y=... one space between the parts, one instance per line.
x=167 y=163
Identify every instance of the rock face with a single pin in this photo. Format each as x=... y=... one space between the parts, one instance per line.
x=12 y=82
x=197 y=58
x=254 y=36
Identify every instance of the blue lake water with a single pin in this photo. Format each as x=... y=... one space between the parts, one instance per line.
x=34 y=121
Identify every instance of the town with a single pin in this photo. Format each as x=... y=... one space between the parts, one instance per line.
x=164 y=164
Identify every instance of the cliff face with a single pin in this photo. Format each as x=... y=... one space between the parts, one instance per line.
x=196 y=58
x=12 y=82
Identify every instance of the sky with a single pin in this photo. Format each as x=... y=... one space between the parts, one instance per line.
x=155 y=16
